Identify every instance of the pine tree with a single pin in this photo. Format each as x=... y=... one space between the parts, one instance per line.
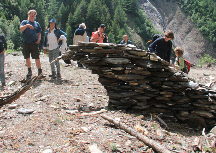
x=52 y=9
x=40 y=18
x=70 y=35
x=120 y=16
x=111 y=38
x=106 y=18
x=69 y=29
x=14 y=32
x=119 y=37
x=62 y=17
x=79 y=15
x=93 y=19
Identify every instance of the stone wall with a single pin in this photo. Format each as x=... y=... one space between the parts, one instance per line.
x=136 y=79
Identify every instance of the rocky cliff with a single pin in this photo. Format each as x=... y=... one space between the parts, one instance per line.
x=167 y=15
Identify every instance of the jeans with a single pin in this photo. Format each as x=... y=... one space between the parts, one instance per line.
x=2 y=73
x=53 y=54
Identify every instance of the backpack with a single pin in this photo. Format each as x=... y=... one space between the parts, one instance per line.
x=156 y=36
x=187 y=66
x=105 y=40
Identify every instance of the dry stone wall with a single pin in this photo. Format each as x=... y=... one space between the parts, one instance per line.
x=137 y=79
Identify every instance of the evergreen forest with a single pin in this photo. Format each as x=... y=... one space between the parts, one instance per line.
x=203 y=14
x=119 y=16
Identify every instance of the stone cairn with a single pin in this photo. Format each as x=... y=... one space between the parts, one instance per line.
x=139 y=80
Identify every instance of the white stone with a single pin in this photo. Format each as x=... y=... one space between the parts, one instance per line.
x=2 y=134
x=213 y=130
x=47 y=151
x=25 y=111
x=12 y=106
x=94 y=149
x=72 y=111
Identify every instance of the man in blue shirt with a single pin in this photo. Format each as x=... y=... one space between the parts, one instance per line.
x=31 y=38
x=125 y=40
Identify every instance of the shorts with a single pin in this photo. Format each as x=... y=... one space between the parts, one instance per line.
x=30 y=48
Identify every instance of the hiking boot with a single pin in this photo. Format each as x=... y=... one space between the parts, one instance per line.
x=53 y=75
x=3 y=84
x=58 y=76
x=28 y=76
x=40 y=72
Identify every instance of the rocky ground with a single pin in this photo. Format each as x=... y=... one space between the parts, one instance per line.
x=58 y=116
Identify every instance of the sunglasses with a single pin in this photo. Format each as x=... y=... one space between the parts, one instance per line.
x=168 y=36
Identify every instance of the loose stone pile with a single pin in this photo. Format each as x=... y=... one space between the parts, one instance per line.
x=136 y=79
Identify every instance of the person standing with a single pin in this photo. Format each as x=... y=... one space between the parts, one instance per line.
x=3 y=48
x=31 y=38
x=162 y=46
x=98 y=36
x=125 y=40
x=53 y=36
x=80 y=35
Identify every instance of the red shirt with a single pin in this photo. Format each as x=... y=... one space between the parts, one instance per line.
x=96 y=36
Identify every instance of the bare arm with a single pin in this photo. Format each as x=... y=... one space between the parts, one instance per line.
x=22 y=28
x=39 y=38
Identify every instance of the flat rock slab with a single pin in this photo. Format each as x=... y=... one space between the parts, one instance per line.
x=25 y=111
x=117 y=60
x=12 y=106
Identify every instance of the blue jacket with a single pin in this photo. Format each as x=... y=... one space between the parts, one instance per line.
x=128 y=42
x=80 y=31
x=57 y=33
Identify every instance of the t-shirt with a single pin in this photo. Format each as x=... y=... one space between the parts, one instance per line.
x=179 y=63
x=30 y=35
x=52 y=40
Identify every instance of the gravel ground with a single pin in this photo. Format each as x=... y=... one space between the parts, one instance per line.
x=57 y=122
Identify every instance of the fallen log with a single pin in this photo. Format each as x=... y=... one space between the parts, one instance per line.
x=151 y=143
x=14 y=96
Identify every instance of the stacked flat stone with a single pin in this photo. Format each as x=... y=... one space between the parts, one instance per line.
x=137 y=79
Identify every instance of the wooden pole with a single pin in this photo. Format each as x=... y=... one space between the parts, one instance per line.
x=151 y=143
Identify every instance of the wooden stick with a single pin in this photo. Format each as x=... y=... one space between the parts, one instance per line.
x=161 y=121
x=94 y=113
x=9 y=99
x=151 y=143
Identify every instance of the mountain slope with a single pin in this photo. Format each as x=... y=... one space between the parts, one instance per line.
x=168 y=15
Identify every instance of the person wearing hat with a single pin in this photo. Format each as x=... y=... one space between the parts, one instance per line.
x=80 y=35
x=31 y=38
x=51 y=46
x=98 y=36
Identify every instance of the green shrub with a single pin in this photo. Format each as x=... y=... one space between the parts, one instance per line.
x=206 y=59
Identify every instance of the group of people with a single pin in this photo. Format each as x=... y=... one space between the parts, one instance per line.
x=54 y=38
x=162 y=47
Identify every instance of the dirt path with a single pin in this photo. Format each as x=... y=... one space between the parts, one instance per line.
x=56 y=124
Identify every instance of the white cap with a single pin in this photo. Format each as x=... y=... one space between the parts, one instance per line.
x=82 y=25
